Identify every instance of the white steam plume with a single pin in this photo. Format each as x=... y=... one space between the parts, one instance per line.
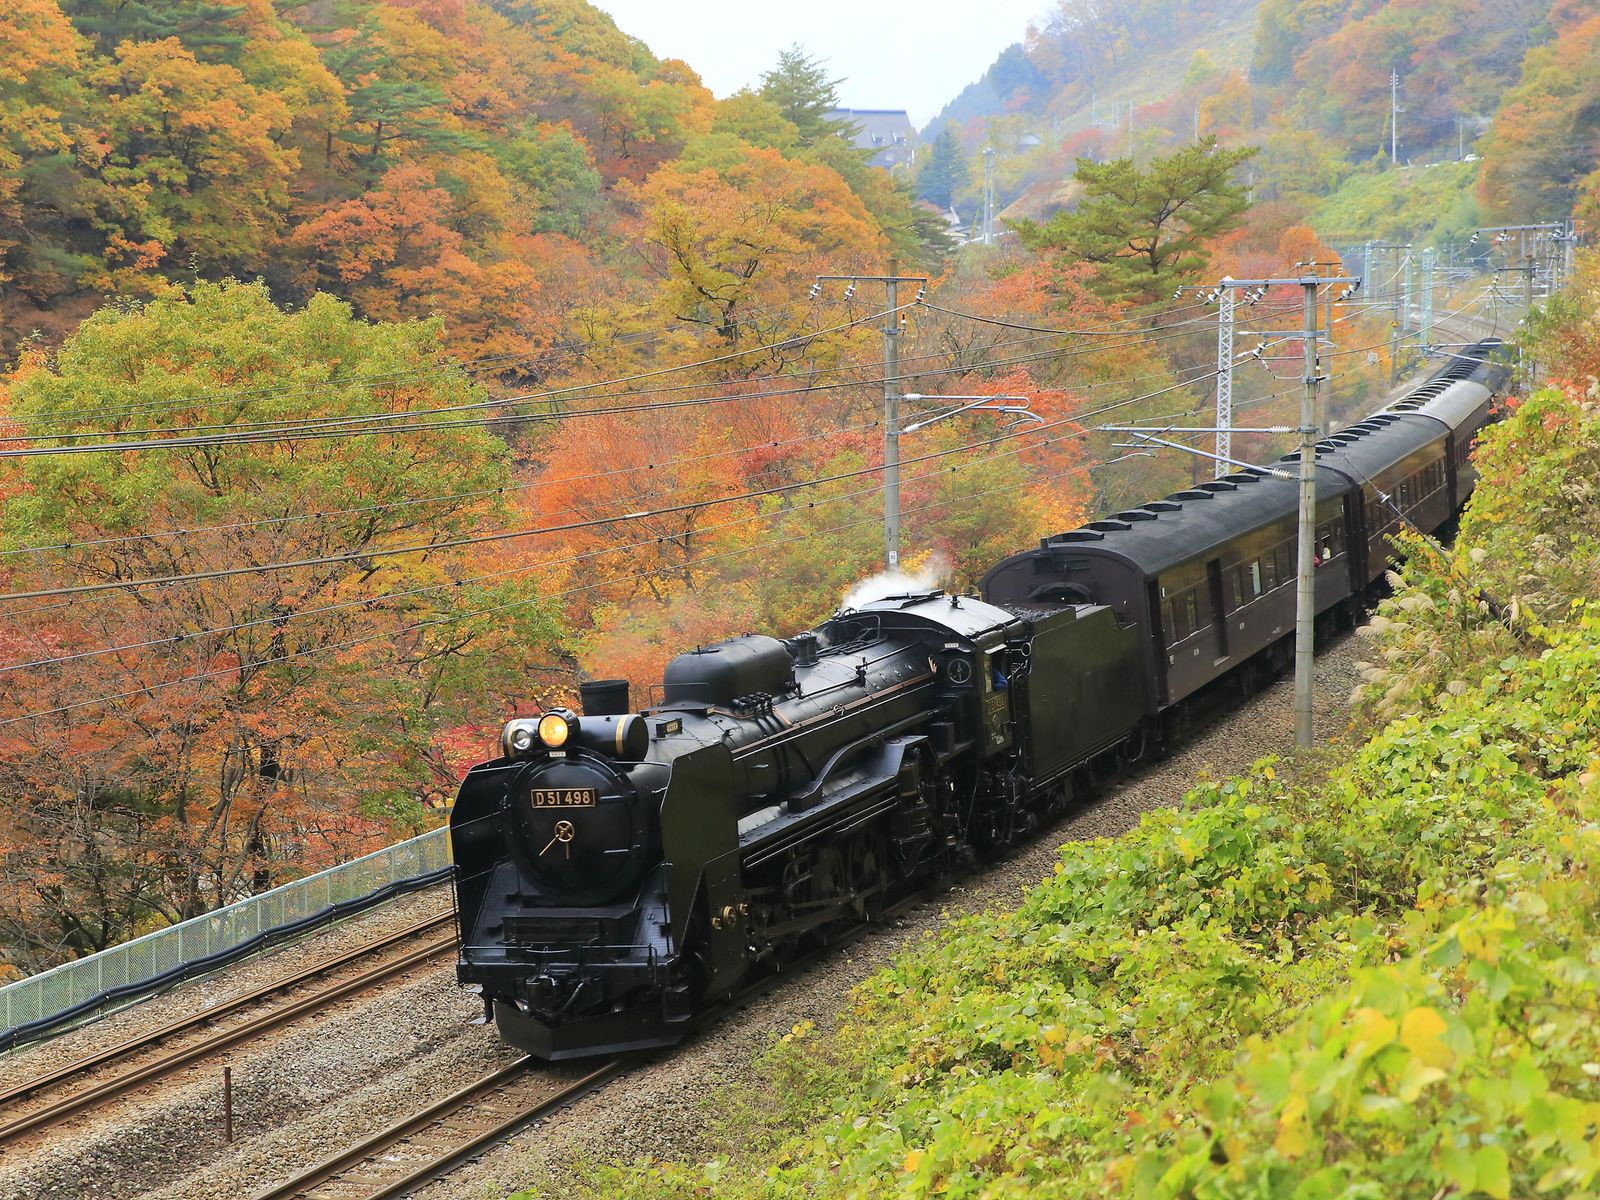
x=934 y=574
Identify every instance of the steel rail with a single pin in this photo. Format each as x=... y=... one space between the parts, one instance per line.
x=96 y=1094
x=377 y=1166
x=370 y=1162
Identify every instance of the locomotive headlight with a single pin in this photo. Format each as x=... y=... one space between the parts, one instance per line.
x=554 y=730
x=518 y=737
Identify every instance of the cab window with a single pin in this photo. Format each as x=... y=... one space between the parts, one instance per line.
x=994 y=677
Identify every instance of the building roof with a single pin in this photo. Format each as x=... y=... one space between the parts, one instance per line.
x=882 y=130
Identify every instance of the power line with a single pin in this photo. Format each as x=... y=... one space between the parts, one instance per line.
x=246 y=396
x=279 y=620
x=506 y=489
x=318 y=434
x=515 y=534
x=456 y=618
x=250 y=432
x=480 y=405
x=413 y=502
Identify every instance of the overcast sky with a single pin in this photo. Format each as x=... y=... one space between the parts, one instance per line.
x=892 y=53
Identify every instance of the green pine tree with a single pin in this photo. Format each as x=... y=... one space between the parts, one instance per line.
x=800 y=87
x=1148 y=230
x=944 y=172
x=202 y=27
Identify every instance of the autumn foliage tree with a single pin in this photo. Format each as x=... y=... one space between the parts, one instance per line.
x=1542 y=145
x=746 y=234
x=168 y=748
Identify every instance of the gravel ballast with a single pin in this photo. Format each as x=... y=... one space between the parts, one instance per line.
x=197 y=995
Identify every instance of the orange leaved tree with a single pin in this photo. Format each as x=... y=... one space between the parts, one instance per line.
x=167 y=747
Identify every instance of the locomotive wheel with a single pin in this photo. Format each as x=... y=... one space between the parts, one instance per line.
x=697 y=966
x=869 y=873
x=827 y=886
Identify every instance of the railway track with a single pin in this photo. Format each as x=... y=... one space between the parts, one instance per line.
x=427 y=1144
x=81 y=1099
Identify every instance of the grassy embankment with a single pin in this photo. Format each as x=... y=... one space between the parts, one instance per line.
x=1426 y=204
x=1375 y=975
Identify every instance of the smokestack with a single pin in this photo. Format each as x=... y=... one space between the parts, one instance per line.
x=604 y=697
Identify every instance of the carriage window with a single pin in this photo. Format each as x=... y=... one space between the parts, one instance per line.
x=1185 y=615
x=1330 y=540
x=1236 y=579
x=1269 y=561
x=1255 y=578
x=1285 y=556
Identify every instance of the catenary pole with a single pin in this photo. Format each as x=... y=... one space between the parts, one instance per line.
x=988 y=197
x=1394 y=118
x=1395 y=327
x=1305 y=613
x=891 y=392
x=891 y=421
x=1224 y=380
x=1425 y=323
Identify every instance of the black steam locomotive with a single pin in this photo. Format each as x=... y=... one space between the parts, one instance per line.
x=618 y=871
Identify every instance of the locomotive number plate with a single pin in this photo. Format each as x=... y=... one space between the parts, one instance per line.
x=563 y=797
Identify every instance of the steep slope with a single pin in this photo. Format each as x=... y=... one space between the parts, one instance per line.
x=1310 y=85
x=461 y=157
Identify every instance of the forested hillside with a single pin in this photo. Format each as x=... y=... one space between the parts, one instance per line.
x=380 y=370
x=443 y=156
x=1309 y=84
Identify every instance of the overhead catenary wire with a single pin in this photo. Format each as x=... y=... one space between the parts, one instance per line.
x=244 y=396
x=1075 y=417
x=280 y=620
x=528 y=568
x=376 y=552
x=316 y=434
x=120 y=584
x=251 y=432
x=549 y=393
x=187 y=531
x=351 y=643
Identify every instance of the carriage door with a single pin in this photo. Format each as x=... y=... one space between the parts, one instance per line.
x=1219 y=614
